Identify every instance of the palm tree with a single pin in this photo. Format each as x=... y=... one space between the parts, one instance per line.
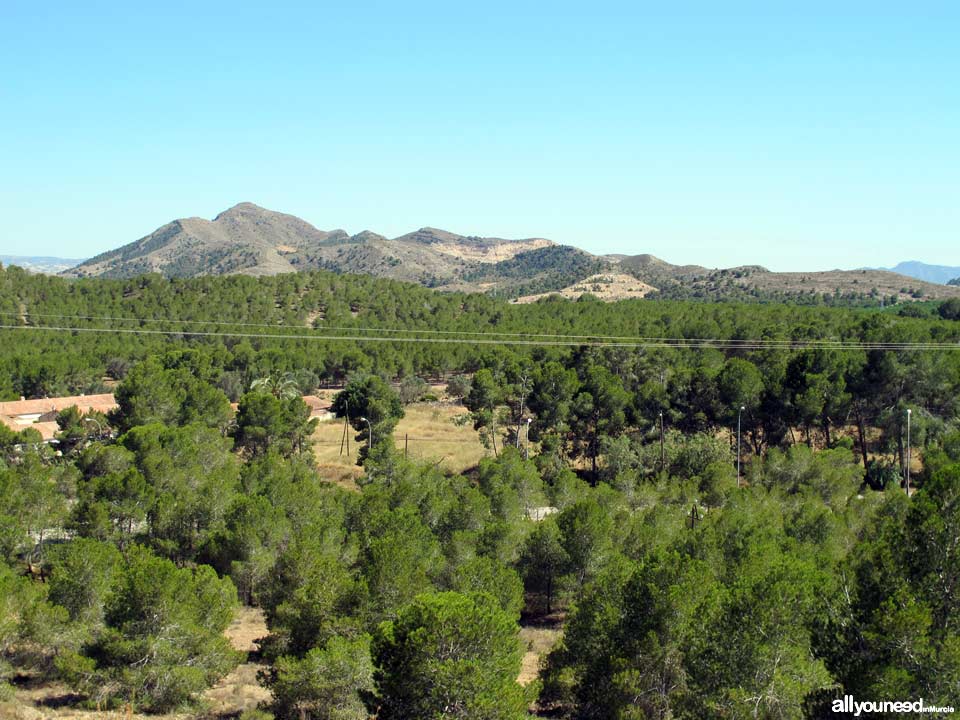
x=282 y=387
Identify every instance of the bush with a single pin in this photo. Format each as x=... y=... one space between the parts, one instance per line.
x=881 y=475
x=950 y=309
x=412 y=389
x=458 y=387
x=483 y=574
x=329 y=683
x=449 y=651
x=162 y=642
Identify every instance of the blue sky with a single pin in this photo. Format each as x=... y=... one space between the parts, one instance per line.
x=793 y=135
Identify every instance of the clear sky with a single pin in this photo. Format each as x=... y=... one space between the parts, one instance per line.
x=794 y=135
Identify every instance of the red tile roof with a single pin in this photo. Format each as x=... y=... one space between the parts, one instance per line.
x=17 y=414
x=13 y=413
x=47 y=430
x=85 y=403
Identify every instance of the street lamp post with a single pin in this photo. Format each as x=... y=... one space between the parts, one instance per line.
x=369 y=433
x=908 y=451
x=526 y=443
x=99 y=426
x=739 y=414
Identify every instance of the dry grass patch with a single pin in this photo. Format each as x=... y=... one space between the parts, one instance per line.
x=538 y=640
x=333 y=464
x=247 y=627
x=427 y=430
x=238 y=691
x=430 y=434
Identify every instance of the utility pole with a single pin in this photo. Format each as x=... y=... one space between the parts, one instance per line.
x=346 y=423
x=739 y=414
x=908 y=451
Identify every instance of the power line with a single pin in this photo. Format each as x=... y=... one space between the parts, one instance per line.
x=631 y=339
x=398 y=439
x=358 y=328
x=692 y=343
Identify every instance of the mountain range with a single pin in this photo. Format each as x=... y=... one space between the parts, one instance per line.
x=40 y=264
x=252 y=240
x=922 y=271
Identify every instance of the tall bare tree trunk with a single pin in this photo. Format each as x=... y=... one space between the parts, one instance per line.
x=862 y=433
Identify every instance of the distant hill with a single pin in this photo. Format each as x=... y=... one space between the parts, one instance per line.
x=40 y=264
x=252 y=240
x=756 y=283
x=659 y=272
x=941 y=274
x=245 y=238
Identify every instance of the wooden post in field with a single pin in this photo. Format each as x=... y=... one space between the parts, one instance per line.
x=346 y=422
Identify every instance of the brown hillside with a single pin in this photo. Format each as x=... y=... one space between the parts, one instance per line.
x=252 y=240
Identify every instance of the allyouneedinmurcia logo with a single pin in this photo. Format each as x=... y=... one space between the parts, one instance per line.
x=847 y=704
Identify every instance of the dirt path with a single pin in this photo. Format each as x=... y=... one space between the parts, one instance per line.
x=539 y=638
